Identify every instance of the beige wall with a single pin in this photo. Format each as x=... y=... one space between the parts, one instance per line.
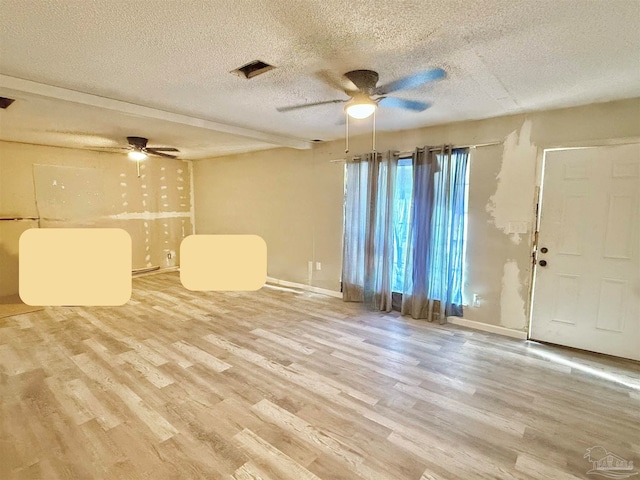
x=61 y=187
x=293 y=198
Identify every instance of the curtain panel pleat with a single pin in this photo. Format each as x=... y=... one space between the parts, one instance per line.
x=367 y=253
x=355 y=228
x=415 y=300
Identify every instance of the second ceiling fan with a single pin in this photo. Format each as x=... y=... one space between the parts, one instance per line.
x=138 y=149
x=366 y=95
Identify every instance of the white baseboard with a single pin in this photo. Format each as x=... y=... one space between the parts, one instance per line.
x=156 y=272
x=486 y=327
x=302 y=286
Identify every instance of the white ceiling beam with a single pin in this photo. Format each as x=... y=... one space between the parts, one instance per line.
x=50 y=91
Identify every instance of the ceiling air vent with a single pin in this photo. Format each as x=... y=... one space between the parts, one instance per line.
x=253 y=69
x=5 y=102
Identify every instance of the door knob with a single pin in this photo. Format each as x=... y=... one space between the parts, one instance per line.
x=542 y=263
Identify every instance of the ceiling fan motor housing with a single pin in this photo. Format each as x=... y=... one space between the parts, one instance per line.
x=364 y=80
x=139 y=143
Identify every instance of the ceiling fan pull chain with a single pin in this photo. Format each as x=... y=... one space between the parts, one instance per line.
x=374 y=131
x=346 y=137
x=138 y=167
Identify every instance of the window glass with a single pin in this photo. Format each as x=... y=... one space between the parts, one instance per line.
x=401 y=211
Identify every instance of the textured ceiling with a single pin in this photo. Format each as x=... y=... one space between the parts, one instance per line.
x=501 y=57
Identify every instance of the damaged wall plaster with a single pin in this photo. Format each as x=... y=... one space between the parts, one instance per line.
x=510 y=205
x=511 y=210
x=512 y=304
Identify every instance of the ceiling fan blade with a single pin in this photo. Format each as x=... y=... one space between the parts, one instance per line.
x=163 y=149
x=340 y=83
x=412 y=81
x=151 y=151
x=106 y=149
x=296 y=107
x=394 y=102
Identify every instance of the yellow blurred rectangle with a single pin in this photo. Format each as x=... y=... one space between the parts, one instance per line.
x=75 y=266
x=223 y=262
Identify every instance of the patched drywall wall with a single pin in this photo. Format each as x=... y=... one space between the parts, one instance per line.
x=510 y=205
x=60 y=187
x=513 y=312
x=502 y=198
x=294 y=198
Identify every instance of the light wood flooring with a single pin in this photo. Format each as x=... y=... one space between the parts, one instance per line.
x=280 y=385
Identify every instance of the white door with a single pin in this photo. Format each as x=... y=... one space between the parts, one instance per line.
x=587 y=295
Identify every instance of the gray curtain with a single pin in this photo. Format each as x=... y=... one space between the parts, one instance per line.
x=434 y=252
x=367 y=255
x=433 y=272
x=355 y=227
x=415 y=300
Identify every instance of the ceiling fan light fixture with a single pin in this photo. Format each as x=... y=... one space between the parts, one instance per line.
x=361 y=108
x=137 y=155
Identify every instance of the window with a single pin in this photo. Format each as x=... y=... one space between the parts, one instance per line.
x=402 y=210
x=401 y=214
x=404 y=240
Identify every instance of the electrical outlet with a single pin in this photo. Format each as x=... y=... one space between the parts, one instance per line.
x=476 y=300
x=318 y=266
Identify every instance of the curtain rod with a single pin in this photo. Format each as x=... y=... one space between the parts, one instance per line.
x=434 y=149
